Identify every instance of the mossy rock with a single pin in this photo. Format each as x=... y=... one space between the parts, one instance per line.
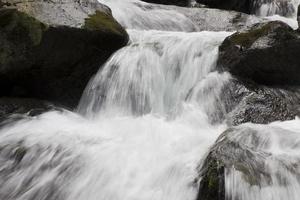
x=212 y=186
x=230 y=153
x=53 y=63
x=248 y=37
x=266 y=54
x=101 y=21
x=23 y=25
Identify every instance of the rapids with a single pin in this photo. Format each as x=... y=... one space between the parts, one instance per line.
x=145 y=123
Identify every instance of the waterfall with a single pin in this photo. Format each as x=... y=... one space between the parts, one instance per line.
x=145 y=122
x=285 y=11
x=155 y=73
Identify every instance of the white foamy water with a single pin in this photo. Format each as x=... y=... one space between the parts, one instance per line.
x=135 y=14
x=145 y=122
x=146 y=125
x=274 y=156
x=155 y=74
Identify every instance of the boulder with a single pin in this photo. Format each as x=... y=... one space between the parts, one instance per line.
x=229 y=152
x=58 y=12
x=207 y=19
x=54 y=63
x=243 y=163
x=170 y=2
x=267 y=54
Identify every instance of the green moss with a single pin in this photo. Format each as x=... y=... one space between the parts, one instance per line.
x=212 y=176
x=21 y=25
x=19 y=153
x=247 y=176
x=246 y=39
x=104 y=22
x=212 y=183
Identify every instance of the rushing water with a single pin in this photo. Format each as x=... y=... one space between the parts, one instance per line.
x=144 y=124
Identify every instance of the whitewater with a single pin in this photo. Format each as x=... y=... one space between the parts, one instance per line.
x=144 y=125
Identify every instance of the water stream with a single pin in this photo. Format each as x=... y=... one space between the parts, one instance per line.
x=145 y=123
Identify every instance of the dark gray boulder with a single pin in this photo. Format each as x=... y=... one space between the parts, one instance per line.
x=267 y=54
x=54 y=63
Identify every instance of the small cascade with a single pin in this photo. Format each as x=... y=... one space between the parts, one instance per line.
x=282 y=10
x=135 y=14
x=156 y=73
x=145 y=122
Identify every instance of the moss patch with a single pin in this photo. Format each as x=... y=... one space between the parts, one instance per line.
x=21 y=25
x=246 y=39
x=104 y=22
x=212 y=184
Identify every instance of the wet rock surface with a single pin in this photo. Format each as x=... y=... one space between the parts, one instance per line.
x=32 y=107
x=250 y=102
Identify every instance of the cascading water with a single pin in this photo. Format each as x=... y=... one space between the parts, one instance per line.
x=282 y=10
x=155 y=74
x=272 y=156
x=144 y=124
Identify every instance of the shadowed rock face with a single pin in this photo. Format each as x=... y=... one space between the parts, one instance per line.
x=170 y=2
x=266 y=54
x=54 y=63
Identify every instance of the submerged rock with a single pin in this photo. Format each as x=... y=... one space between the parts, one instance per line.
x=32 y=107
x=267 y=53
x=54 y=63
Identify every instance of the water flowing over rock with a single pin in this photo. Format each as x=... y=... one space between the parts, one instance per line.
x=149 y=122
x=249 y=161
x=134 y=14
x=286 y=8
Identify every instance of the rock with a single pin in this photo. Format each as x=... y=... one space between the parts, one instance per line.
x=249 y=102
x=267 y=53
x=228 y=153
x=10 y=106
x=170 y=2
x=54 y=63
x=59 y=12
x=207 y=19
x=243 y=163
x=271 y=7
